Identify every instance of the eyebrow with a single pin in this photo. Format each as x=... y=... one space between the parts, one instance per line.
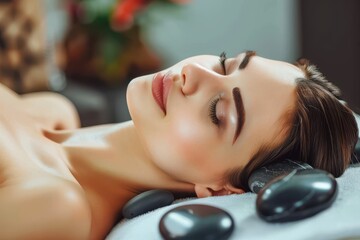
x=240 y=112
x=245 y=61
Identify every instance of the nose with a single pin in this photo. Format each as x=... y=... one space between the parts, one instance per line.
x=195 y=76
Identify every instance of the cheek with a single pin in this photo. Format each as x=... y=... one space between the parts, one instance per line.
x=181 y=148
x=189 y=139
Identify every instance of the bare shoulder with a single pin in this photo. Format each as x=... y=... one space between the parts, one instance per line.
x=43 y=208
x=52 y=109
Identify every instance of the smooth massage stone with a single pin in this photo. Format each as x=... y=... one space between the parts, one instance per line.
x=147 y=201
x=355 y=158
x=196 y=221
x=297 y=195
x=260 y=177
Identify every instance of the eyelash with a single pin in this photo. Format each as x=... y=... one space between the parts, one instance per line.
x=222 y=60
x=212 y=111
x=214 y=102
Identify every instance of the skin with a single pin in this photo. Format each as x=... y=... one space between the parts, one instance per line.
x=179 y=141
x=59 y=181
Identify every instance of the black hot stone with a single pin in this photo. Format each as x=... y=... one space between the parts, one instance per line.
x=147 y=201
x=263 y=175
x=196 y=221
x=296 y=195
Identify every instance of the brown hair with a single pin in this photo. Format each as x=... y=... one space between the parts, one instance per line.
x=322 y=130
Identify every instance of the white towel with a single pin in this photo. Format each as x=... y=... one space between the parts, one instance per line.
x=340 y=221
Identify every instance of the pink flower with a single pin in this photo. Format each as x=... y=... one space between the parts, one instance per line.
x=124 y=13
x=125 y=10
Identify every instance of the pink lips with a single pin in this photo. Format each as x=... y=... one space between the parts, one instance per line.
x=160 y=89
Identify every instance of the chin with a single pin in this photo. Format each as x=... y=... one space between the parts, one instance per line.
x=137 y=94
x=142 y=106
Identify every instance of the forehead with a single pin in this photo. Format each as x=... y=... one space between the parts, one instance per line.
x=269 y=100
x=280 y=68
x=281 y=71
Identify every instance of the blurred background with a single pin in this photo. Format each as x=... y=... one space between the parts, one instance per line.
x=89 y=50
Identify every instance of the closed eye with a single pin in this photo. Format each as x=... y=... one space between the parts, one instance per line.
x=212 y=111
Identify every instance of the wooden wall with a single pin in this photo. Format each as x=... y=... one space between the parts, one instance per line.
x=330 y=38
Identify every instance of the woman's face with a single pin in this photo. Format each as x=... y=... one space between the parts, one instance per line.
x=200 y=118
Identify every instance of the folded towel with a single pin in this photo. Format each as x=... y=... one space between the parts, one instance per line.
x=340 y=221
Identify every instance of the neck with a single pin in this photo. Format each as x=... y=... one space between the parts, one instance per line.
x=112 y=162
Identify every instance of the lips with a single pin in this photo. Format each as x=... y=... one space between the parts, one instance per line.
x=161 y=85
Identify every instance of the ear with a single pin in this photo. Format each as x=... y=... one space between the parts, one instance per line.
x=202 y=191
x=207 y=191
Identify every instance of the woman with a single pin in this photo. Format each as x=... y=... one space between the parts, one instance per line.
x=200 y=126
